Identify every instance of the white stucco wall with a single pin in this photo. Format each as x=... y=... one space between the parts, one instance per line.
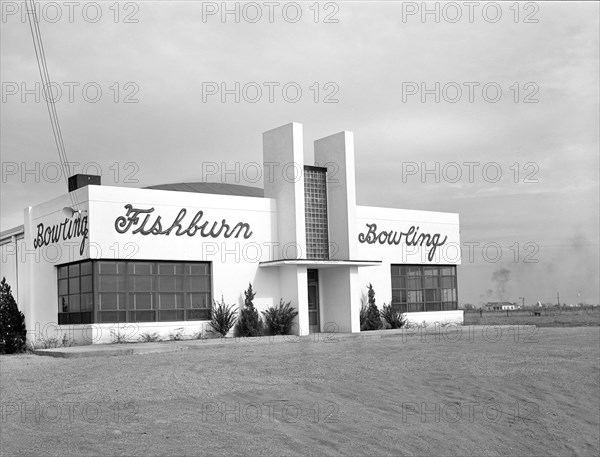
x=293 y=284
x=235 y=260
x=401 y=220
x=398 y=220
x=340 y=305
x=40 y=293
x=336 y=152
x=283 y=162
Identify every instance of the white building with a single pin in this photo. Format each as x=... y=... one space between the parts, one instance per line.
x=155 y=258
x=501 y=306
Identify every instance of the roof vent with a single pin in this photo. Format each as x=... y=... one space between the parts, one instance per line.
x=79 y=181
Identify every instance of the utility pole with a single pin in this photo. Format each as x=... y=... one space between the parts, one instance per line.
x=558 y=301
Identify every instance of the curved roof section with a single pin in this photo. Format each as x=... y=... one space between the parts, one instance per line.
x=212 y=188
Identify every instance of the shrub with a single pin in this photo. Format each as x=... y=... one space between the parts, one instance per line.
x=66 y=342
x=363 y=315
x=223 y=317
x=199 y=335
x=176 y=335
x=373 y=319
x=393 y=317
x=149 y=337
x=249 y=323
x=278 y=319
x=118 y=336
x=51 y=342
x=12 y=322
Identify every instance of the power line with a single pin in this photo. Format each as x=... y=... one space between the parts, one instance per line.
x=45 y=77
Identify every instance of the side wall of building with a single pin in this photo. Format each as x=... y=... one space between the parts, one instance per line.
x=379 y=228
x=52 y=237
x=152 y=225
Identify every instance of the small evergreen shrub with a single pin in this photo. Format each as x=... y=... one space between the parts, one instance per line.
x=363 y=315
x=278 y=319
x=223 y=317
x=12 y=322
x=373 y=319
x=393 y=317
x=249 y=323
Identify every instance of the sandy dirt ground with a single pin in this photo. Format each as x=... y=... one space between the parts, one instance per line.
x=473 y=393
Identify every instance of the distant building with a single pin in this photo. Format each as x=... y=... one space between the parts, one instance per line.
x=500 y=306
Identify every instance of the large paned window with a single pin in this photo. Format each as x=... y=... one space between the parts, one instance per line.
x=75 y=294
x=137 y=291
x=424 y=288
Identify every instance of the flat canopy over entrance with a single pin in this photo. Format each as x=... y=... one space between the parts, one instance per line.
x=321 y=263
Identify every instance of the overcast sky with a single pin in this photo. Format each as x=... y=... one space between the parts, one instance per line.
x=370 y=61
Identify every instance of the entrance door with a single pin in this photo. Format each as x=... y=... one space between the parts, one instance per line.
x=313 y=301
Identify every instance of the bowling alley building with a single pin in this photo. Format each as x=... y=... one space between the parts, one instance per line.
x=100 y=258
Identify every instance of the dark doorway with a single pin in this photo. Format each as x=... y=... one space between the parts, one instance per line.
x=313 y=301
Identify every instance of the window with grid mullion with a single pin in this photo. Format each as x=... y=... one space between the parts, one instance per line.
x=423 y=288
